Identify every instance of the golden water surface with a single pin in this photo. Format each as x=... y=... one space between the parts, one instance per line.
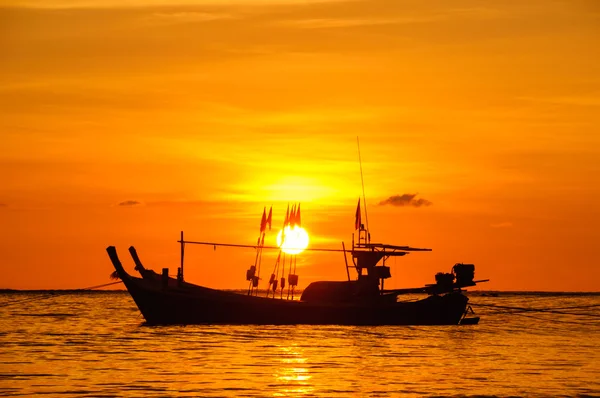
x=95 y=344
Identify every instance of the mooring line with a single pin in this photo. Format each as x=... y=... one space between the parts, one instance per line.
x=545 y=310
x=551 y=320
x=44 y=296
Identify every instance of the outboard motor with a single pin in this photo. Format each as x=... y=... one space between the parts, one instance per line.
x=444 y=282
x=465 y=273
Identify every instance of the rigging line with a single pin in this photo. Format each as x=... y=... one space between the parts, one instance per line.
x=524 y=309
x=362 y=180
x=282 y=276
x=275 y=272
x=315 y=249
x=48 y=295
x=258 y=272
x=295 y=263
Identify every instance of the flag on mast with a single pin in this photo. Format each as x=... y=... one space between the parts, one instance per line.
x=293 y=216
x=287 y=217
x=263 y=221
x=270 y=217
x=357 y=219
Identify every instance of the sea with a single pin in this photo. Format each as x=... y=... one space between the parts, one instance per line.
x=95 y=344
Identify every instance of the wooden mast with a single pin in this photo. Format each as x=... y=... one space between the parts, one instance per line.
x=362 y=180
x=182 y=252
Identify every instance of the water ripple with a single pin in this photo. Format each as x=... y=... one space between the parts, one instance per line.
x=97 y=345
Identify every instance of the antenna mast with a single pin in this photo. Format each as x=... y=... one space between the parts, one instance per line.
x=362 y=180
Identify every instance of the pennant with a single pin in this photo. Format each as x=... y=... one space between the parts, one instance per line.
x=357 y=220
x=293 y=216
x=263 y=221
x=298 y=218
x=287 y=217
x=270 y=217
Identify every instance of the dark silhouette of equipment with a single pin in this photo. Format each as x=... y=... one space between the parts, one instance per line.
x=464 y=273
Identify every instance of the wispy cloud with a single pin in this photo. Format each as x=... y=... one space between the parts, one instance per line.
x=406 y=199
x=321 y=23
x=130 y=203
x=101 y=4
x=504 y=224
x=184 y=16
x=582 y=100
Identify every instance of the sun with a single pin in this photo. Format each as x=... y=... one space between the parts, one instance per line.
x=292 y=240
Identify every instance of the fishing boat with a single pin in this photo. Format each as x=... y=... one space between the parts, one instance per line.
x=361 y=300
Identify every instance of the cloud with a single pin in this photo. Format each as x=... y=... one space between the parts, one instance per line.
x=505 y=224
x=407 y=199
x=3 y=205
x=591 y=100
x=188 y=17
x=320 y=23
x=130 y=203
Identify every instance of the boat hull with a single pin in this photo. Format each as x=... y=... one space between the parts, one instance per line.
x=175 y=307
x=184 y=303
x=190 y=304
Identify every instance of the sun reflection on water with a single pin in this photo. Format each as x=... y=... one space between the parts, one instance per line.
x=94 y=345
x=293 y=375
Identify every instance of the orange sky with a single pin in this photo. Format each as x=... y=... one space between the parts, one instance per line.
x=204 y=112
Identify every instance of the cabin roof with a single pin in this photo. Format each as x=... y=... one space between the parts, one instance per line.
x=384 y=246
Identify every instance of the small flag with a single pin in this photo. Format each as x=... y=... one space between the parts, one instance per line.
x=357 y=220
x=263 y=221
x=270 y=217
x=293 y=216
x=298 y=218
x=287 y=217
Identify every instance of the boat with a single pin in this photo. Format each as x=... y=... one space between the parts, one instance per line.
x=164 y=300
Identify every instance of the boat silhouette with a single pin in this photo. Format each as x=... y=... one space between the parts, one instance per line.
x=362 y=300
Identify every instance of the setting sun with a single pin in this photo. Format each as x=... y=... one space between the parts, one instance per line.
x=300 y=197
x=123 y=124
x=292 y=240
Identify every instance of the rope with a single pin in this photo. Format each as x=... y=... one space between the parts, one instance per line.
x=515 y=310
x=54 y=294
x=577 y=307
x=552 y=320
x=99 y=286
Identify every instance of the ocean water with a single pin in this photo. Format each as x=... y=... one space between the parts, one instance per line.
x=95 y=344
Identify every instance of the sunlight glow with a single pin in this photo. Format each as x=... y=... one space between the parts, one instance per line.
x=292 y=240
